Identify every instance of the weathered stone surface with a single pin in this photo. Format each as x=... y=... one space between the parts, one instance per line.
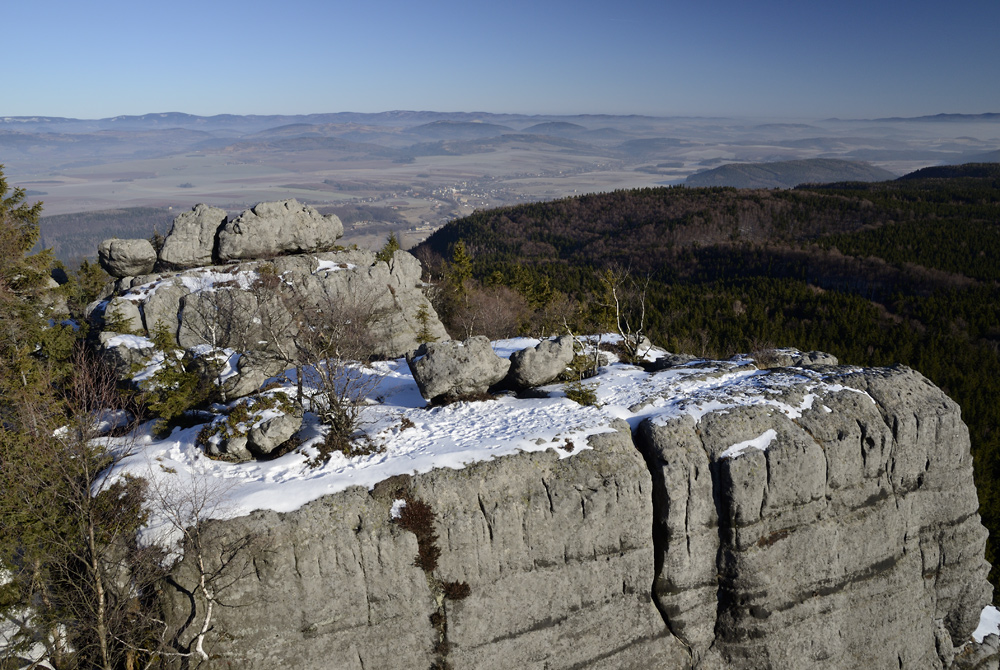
x=233 y=449
x=556 y=553
x=814 y=358
x=123 y=315
x=201 y=306
x=253 y=369
x=126 y=258
x=456 y=368
x=275 y=228
x=162 y=307
x=124 y=352
x=220 y=318
x=827 y=549
x=191 y=240
x=668 y=360
x=266 y=436
x=540 y=364
x=849 y=539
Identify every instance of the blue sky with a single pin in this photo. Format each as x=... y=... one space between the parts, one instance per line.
x=786 y=59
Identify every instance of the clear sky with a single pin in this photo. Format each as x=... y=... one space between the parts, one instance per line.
x=849 y=58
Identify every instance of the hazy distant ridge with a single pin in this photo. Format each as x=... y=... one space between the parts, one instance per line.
x=787 y=174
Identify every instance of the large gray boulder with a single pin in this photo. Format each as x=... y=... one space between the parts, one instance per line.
x=455 y=369
x=274 y=228
x=191 y=240
x=126 y=258
x=540 y=364
x=268 y=435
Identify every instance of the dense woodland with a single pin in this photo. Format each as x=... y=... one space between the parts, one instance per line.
x=899 y=272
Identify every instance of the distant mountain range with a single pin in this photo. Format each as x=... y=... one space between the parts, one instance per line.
x=989 y=116
x=787 y=174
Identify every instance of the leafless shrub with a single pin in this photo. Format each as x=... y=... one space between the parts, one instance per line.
x=336 y=339
x=495 y=311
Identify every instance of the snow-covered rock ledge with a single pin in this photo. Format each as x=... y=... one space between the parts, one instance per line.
x=707 y=515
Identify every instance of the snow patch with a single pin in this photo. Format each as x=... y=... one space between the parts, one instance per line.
x=760 y=443
x=397 y=508
x=333 y=266
x=130 y=342
x=989 y=624
x=415 y=438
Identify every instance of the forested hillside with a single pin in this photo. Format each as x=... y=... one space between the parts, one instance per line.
x=787 y=174
x=898 y=272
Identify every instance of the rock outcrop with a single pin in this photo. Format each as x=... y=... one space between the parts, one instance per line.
x=249 y=307
x=205 y=236
x=807 y=519
x=556 y=554
x=277 y=228
x=846 y=536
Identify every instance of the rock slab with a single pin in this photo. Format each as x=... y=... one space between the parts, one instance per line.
x=277 y=228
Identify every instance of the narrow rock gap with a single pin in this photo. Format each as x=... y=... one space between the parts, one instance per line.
x=659 y=536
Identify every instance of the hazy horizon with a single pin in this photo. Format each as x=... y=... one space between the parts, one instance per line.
x=728 y=59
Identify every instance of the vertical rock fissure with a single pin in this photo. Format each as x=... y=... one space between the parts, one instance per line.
x=659 y=535
x=419 y=518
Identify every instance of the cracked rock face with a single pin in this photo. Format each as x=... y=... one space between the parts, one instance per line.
x=808 y=519
x=844 y=535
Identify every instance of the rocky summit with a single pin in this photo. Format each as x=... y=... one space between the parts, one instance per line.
x=206 y=236
x=708 y=514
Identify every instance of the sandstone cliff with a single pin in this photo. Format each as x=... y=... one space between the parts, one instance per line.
x=791 y=518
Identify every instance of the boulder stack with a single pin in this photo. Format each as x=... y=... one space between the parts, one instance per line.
x=205 y=236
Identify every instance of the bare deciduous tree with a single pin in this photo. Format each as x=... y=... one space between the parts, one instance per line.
x=625 y=298
x=211 y=566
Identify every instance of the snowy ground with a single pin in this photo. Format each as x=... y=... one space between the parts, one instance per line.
x=465 y=432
